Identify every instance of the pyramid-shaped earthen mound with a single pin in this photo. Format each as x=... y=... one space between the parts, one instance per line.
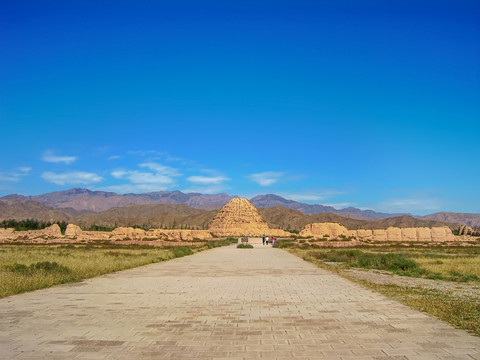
x=239 y=217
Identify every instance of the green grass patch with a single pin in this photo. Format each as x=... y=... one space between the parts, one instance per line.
x=396 y=263
x=431 y=263
x=182 y=251
x=43 y=266
x=26 y=267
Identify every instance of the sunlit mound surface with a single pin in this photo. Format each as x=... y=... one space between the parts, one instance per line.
x=240 y=217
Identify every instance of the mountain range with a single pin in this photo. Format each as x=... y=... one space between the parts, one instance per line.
x=191 y=209
x=271 y=200
x=84 y=199
x=185 y=217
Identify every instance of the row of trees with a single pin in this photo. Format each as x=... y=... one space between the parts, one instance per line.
x=145 y=227
x=31 y=224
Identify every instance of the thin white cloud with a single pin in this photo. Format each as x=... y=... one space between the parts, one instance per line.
x=341 y=205
x=144 y=152
x=303 y=197
x=160 y=178
x=138 y=177
x=71 y=178
x=409 y=205
x=9 y=177
x=210 y=189
x=49 y=156
x=266 y=178
x=114 y=157
x=118 y=174
x=161 y=169
x=207 y=180
x=15 y=176
x=132 y=188
x=24 y=169
x=310 y=196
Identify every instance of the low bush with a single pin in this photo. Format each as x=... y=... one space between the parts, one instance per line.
x=43 y=266
x=397 y=263
x=346 y=256
x=281 y=244
x=244 y=246
x=182 y=251
x=121 y=253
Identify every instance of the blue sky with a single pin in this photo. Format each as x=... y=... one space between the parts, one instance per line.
x=348 y=103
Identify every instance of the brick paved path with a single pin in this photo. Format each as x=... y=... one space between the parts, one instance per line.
x=223 y=303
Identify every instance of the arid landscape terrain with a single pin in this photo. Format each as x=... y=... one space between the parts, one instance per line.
x=195 y=211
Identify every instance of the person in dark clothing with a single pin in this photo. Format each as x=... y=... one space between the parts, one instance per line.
x=263 y=240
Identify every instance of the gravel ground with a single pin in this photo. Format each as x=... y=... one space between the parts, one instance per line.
x=470 y=289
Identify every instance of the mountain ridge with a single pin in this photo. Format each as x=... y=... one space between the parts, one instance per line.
x=76 y=200
x=183 y=216
x=472 y=220
x=272 y=200
x=85 y=199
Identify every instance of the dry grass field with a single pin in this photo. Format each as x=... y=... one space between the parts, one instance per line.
x=441 y=281
x=31 y=267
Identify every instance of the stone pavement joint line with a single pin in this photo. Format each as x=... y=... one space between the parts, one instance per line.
x=224 y=303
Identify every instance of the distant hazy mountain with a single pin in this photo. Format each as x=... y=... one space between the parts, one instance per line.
x=84 y=199
x=20 y=210
x=472 y=220
x=271 y=200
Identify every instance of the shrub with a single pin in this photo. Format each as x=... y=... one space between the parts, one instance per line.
x=397 y=263
x=118 y=253
x=244 y=246
x=347 y=256
x=392 y=262
x=43 y=266
x=284 y=244
x=181 y=251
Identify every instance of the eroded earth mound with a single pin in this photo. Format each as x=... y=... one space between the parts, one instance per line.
x=335 y=231
x=240 y=217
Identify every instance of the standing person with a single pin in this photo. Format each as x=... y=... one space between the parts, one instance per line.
x=263 y=239
x=267 y=239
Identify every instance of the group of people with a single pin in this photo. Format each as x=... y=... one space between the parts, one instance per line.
x=266 y=240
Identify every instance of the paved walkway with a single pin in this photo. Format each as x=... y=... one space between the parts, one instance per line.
x=223 y=303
